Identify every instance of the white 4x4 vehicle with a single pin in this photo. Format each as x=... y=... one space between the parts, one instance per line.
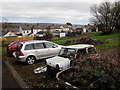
x=68 y=53
x=30 y=51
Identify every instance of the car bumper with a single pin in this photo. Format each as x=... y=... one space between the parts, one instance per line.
x=9 y=52
x=21 y=59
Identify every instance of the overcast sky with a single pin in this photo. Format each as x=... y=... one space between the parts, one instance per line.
x=39 y=11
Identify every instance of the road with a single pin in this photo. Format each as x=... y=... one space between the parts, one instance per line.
x=8 y=81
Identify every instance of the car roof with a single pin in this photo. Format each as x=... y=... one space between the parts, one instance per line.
x=79 y=46
x=17 y=42
x=34 y=41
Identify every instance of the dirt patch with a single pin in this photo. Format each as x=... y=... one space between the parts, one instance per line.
x=85 y=40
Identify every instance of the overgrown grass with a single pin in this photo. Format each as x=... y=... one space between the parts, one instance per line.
x=114 y=38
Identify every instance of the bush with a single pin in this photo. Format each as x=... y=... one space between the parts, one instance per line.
x=90 y=73
x=85 y=40
x=7 y=41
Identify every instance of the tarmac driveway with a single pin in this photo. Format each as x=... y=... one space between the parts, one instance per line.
x=8 y=81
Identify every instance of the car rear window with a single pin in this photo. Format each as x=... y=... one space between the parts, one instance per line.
x=81 y=53
x=29 y=47
x=19 y=47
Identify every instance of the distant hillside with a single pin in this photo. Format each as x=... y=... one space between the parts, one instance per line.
x=43 y=23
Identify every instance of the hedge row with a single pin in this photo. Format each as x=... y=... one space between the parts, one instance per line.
x=7 y=41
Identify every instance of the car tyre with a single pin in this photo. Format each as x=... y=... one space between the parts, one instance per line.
x=13 y=53
x=30 y=60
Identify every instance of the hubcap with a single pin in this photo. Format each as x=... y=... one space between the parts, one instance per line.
x=31 y=60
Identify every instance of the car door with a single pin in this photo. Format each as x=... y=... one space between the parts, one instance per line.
x=41 y=50
x=53 y=48
x=29 y=50
x=14 y=46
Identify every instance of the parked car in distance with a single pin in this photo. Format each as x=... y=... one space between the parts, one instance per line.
x=12 y=47
x=68 y=54
x=40 y=34
x=31 y=51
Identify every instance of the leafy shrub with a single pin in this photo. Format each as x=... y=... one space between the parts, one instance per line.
x=90 y=73
x=7 y=41
x=41 y=85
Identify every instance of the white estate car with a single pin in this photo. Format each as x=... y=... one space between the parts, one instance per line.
x=30 y=51
x=68 y=53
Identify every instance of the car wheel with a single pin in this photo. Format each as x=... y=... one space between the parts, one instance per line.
x=13 y=54
x=31 y=60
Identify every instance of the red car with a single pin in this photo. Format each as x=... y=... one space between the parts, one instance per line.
x=12 y=47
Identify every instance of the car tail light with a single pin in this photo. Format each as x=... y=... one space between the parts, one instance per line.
x=20 y=53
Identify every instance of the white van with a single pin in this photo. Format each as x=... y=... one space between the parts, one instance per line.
x=68 y=54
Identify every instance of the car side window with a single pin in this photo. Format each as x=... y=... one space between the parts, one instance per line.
x=92 y=50
x=81 y=52
x=29 y=47
x=50 y=45
x=39 y=46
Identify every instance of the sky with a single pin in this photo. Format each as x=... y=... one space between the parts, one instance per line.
x=47 y=11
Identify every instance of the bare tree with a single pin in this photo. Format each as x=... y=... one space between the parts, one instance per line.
x=106 y=16
x=116 y=14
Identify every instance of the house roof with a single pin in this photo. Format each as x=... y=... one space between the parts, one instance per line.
x=25 y=27
x=4 y=33
x=16 y=29
x=58 y=32
x=78 y=26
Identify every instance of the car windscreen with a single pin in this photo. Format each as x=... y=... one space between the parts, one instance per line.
x=92 y=50
x=67 y=53
x=16 y=44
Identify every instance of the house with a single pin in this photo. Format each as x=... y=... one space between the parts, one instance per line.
x=8 y=34
x=54 y=28
x=79 y=29
x=25 y=30
x=90 y=28
x=64 y=28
